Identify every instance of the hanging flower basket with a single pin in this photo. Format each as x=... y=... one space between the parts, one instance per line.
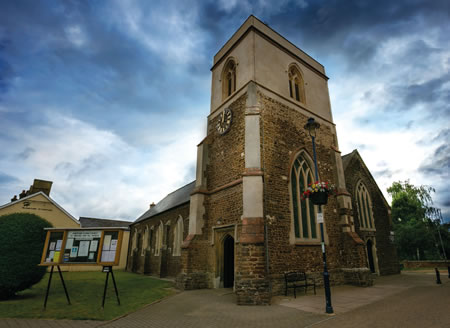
x=318 y=192
x=319 y=198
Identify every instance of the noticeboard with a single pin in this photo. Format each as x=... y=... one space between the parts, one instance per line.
x=82 y=246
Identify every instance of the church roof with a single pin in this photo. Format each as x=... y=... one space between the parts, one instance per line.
x=174 y=199
x=347 y=158
x=95 y=222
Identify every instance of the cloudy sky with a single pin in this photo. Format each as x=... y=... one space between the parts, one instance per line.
x=108 y=99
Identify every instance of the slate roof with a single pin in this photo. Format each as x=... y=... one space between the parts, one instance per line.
x=97 y=223
x=174 y=199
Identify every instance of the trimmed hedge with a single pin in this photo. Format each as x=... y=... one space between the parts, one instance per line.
x=23 y=239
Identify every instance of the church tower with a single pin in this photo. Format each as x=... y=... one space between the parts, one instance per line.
x=247 y=221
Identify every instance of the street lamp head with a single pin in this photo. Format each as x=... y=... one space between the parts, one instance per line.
x=312 y=126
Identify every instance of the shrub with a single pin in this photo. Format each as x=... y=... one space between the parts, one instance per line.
x=23 y=238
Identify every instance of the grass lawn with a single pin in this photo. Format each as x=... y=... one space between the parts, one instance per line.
x=86 y=293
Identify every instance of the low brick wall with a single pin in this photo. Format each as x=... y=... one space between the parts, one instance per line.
x=194 y=280
x=425 y=264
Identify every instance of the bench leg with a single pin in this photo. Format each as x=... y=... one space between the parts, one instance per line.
x=295 y=295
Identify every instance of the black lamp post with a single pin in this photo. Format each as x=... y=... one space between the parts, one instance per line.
x=312 y=126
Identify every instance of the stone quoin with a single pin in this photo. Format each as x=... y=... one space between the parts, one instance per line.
x=243 y=223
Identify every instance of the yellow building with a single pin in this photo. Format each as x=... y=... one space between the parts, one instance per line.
x=45 y=207
x=37 y=201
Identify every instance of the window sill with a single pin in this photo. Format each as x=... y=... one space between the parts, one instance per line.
x=307 y=243
x=367 y=229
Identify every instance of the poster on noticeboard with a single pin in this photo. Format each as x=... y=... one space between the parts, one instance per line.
x=82 y=246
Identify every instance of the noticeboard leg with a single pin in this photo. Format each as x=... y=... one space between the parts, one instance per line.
x=115 y=286
x=48 y=287
x=64 y=285
x=104 y=292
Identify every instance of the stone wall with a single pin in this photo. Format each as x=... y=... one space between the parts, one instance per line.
x=223 y=201
x=149 y=263
x=283 y=137
x=252 y=283
x=388 y=262
x=226 y=152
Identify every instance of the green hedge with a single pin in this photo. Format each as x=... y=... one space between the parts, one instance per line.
x=23 y=238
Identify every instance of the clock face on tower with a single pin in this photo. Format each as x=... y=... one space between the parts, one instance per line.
x=224 y=121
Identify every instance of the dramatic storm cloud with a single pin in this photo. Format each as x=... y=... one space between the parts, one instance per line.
x=109 y=99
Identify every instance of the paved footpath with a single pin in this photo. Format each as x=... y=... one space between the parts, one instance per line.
x=407 y=300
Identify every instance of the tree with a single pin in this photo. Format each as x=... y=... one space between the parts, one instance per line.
x=414 y=223
x=23 y=238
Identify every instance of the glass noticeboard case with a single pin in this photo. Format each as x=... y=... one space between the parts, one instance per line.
x=98 y=246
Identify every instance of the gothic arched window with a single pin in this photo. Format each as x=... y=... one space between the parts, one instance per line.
x=296 y=84
x=134 y=240
x=178 y=237
x=159 y=238
x=150 y=238
x=144 y=241
x=364 y=205
x=229 y=79
x=304 y=213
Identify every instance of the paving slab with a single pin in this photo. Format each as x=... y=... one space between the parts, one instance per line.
x=215 y=308
x=346 y=298
x=406 y=300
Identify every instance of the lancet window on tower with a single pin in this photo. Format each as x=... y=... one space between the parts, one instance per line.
x=364 y=204
x=296 y=84
x=304 y=212
x=229 y=79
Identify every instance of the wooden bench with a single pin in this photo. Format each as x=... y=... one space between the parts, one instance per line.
x=298 y=280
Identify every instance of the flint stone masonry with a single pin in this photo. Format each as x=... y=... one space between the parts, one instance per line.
x=386 y=255
x=165 y=264
x=239 y=228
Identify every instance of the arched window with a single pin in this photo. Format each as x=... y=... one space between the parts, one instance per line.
x=159 y=239
x=304 y=212
x=134 y=240
x=296 y=84
x=178 y=237
x=150 y=238
x=145 y=241
x=229 y=79
x=364 y=205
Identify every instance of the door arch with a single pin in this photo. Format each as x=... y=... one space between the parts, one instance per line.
x=370 y=258
x=228 y=262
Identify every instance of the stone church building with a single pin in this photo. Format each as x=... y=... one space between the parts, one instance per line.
x=242 y=222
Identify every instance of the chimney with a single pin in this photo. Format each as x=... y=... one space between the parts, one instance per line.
x=152 y=205
x=41 y=185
